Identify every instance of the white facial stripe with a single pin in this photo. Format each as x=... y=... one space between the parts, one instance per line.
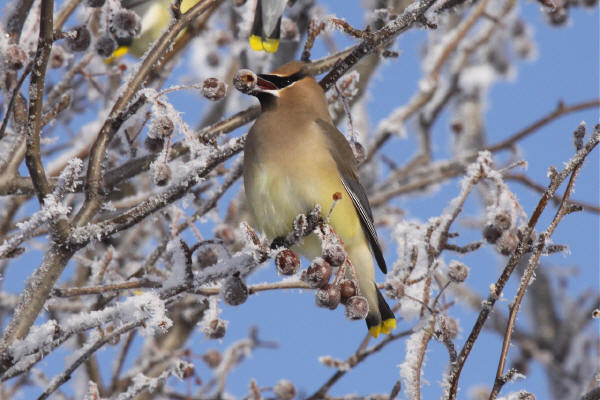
x=270 y=91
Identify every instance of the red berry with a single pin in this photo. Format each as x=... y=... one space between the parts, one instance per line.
x=328 y=297
x=154 y=144
x=214 y=89
x=334 y=254
x=287 y=262
x=457 y=271
x=284 y=390
x=347 y=290
x=357 y=308
x=318 y=274
x=245 y=80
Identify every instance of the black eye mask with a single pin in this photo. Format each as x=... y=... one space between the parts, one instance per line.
x=281 y=81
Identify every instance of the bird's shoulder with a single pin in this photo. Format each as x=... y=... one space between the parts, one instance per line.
x=339 y=148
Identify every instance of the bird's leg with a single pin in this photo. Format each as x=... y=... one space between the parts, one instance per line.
x=279 y=241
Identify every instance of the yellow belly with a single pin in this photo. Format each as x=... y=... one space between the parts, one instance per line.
x=278 y=195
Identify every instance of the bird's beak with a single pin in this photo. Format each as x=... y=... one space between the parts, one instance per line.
x=264 y=83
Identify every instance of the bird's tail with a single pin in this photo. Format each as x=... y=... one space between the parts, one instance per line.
x=118 y=53
x=265 y=34
x=381 y=319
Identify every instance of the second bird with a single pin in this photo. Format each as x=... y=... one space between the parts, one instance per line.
x=294 y=159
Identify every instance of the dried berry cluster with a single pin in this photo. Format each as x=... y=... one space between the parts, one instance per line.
x=159 y=136
x=161 y=128
x=123 y=26
x=235 y=291
x=330 y=295
x=318 y=275
x=502 y=232
x=216 y=329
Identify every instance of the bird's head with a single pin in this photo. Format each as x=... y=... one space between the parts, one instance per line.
x=288 y=87
x=279 y=82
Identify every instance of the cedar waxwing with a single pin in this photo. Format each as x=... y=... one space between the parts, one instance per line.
x=155 y=17
x=295 y=158
x=266 y=29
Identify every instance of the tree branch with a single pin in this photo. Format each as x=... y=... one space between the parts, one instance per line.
x=563 y=210
x=497 y=288
x=93 y=195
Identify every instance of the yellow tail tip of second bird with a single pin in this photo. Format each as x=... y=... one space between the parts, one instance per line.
x=258 y=44
x=385 y=327
x=118 y=53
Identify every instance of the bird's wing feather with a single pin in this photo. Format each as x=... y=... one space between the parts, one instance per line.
x=135 y=4
x=344 y=159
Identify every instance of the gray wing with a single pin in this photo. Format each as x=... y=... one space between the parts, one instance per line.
x=272 y=10
x=139 y=6
x=344 y=158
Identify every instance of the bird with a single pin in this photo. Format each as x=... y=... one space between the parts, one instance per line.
x=294 y=159
x=266 y=28
x=155 y=17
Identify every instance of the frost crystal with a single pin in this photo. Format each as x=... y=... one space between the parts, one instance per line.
x=410 y=370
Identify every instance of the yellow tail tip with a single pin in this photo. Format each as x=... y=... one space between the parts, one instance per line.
x=271 y=45
x=386 y=327
x=118 y=53
x=374 y=330
x=256 y=43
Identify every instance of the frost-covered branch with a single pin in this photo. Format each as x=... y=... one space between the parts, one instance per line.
x=145 y=309
x=116 y=117
x=160 y=245
x=385 y=35
x=33 y=158
x=360 y=355
x=556 y=179
x=564 y=209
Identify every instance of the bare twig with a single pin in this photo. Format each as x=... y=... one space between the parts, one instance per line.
x=89 y=350
x=16 y=20
x=382 y=37
x=81 y=291
x=356 y=358
x=431 y=80
x=36 y=96
x=525 y=180
x=561 y=109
